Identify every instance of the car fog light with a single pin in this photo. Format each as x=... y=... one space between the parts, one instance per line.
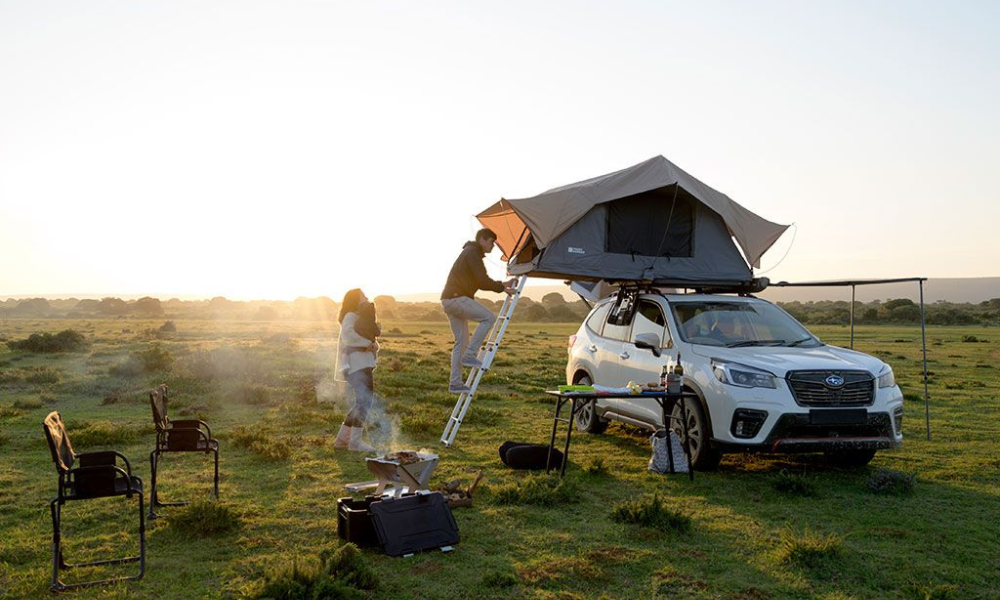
x=747 y=422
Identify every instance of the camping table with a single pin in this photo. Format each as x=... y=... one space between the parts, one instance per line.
x=578 y=400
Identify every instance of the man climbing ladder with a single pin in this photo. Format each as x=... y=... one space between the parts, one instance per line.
x=467 y=276
x=490 y=351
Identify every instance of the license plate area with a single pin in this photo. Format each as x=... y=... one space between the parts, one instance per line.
x=841 y=416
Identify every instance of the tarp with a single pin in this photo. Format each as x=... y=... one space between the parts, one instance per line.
x=652 y=221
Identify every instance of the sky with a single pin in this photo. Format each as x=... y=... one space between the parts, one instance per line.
x=273 y=149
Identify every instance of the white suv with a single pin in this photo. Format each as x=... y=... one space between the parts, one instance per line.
x=763 y=381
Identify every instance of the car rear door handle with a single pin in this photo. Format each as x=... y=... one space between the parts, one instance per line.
x=592 y=348
x=623 y=355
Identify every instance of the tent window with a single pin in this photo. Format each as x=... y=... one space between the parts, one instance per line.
x=644 y=224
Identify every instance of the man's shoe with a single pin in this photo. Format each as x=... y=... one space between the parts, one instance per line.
x=458 y=389
x=471 y=361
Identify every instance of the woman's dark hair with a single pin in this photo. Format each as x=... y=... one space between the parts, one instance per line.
x=350 y=304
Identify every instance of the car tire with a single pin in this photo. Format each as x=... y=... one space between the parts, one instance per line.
x=703 y=456
x=587 y=418
x=849 y=458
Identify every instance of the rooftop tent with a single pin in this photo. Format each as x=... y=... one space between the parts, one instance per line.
x=651 y=222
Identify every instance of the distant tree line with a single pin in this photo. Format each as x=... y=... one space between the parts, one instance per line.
x=552 y=308
x=901 y=311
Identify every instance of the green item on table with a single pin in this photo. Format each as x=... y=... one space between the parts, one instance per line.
x=576 y=388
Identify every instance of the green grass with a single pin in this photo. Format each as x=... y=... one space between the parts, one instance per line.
x=761 y=527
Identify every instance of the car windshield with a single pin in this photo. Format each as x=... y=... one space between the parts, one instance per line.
x=739 y=324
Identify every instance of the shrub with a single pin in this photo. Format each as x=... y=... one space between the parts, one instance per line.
x=102 y=433
x=540 y=490
x=204 y=519
x=168 y=327
x=793 y=485
x=811 y=550
x=596 y=467
x=129 y=368
x=970 y=339
x=64 y=341
x=653 y=513
x=342 y=574
x=500 y=579
x=28 y=404
x=155 y=359
x=41 y=375
x=7 y=412
x=887 y=481
x=253 y=394
x=931 y=592
x=347 y=564
x=260 y=442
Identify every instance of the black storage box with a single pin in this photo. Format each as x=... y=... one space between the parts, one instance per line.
x=354 y=521
x=414 y=523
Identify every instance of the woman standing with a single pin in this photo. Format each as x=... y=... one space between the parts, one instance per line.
x=357 y=355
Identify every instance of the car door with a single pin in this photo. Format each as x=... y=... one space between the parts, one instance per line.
x=641 y=365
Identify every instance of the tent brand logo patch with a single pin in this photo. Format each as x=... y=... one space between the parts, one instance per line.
x=575 y=250
x=834 y=381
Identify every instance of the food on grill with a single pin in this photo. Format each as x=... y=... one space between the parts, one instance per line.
x=403 y=457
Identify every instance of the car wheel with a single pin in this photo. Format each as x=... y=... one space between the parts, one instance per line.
x=703 y=456
x=587 y=418
x=849 y=458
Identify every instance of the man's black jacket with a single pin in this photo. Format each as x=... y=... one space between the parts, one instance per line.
x=469 y=275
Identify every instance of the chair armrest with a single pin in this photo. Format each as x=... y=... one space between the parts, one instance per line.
x=97 y=468
x=191 y=424
x=104 y=458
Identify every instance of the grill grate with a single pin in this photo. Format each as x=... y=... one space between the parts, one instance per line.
x=810 y=388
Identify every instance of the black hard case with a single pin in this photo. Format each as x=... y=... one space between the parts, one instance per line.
x=414 y=523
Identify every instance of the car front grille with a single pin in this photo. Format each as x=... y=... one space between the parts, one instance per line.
x=811 y=388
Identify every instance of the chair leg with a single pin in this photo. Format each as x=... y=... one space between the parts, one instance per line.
x=216 y=474
x=142 y=539
x=59 y=563
x=54 y=507
x=152 y=487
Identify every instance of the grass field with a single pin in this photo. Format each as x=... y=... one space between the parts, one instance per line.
x=761 y=527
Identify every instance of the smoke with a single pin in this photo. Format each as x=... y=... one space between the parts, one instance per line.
x=382 y=429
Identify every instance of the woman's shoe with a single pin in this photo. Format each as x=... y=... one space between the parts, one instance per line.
x=357 y=444
x=343 y=437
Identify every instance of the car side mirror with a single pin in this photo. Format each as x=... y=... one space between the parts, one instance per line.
x=648 y=341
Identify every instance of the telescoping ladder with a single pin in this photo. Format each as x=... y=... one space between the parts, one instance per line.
x=476 y=374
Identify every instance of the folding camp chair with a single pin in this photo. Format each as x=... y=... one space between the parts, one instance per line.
x=189 y=435
x=97 y=476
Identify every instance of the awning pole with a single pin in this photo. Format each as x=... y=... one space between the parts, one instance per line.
x=852 y=316
x=923 y=339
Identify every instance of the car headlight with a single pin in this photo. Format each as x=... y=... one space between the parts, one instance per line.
x=743 y=376
x=886 y=378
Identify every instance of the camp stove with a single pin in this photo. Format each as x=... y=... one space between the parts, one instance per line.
x=405 y=471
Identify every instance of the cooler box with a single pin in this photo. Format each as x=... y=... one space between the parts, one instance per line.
x=354 y=521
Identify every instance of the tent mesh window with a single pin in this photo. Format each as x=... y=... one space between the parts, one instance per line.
x=654 y=223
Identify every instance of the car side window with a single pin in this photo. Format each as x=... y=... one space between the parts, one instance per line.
x=616 y=332
x=596 y=320
x=649 y=319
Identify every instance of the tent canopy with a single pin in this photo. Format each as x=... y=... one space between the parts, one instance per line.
x=652 y=221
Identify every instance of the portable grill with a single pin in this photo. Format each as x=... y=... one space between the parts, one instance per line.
x=404 y=471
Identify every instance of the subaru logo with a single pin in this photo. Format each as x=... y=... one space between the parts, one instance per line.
x=834 y=381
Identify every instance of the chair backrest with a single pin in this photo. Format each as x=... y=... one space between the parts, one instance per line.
x=62 y=451
x=158 y=400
